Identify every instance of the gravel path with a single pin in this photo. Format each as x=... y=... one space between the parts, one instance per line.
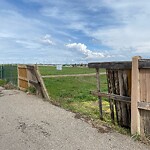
x=29 y=123
x=72 y=75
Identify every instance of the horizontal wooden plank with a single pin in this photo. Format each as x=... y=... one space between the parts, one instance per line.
x=22 y=67
x=33 y=82
x=32 y=67
x=144 y=63
x=111 y=65
x=113 y=96
x=22 y=78
x=144 y=105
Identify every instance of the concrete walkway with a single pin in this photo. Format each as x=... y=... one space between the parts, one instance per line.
x=29 y=123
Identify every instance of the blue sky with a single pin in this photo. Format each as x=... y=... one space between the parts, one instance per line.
x=73 y=31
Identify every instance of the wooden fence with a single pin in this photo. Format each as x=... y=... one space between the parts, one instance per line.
x=140 y=104
x=29 y=76
x=128 y=93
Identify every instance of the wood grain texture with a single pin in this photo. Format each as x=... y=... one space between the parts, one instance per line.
x=98 y=90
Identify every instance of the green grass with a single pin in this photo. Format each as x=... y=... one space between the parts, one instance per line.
x=51 y=70
x=73 y=87
x=2 y=82
x=73 y=93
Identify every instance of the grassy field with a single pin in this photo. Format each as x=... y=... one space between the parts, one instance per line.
x=51 y=70
x=73 y=93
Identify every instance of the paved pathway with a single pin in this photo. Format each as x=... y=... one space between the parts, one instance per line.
x=29 y=123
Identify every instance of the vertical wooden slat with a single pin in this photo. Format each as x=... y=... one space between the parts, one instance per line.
x=142 y=98
x=129 y=82
x=117 y=91
x=147 y=85
x=123 y=86
x=122 y=105
x=145 y=97
x=129 y=94
x=111 y=101
x=99 y=97
x=18 y=76
x=143 y=85
x=22 y=77
x=122 y=113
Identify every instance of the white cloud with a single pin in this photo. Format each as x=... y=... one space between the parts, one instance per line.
x=133 y=33
x=46 y=40
x=82 y=48
x=122 y=27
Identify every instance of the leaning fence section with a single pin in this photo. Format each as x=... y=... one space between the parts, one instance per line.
x=128 y=93
x=29 y=77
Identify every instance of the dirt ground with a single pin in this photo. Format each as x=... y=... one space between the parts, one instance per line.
x=29 y=123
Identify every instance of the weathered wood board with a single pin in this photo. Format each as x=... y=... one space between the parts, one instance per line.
x=118 y=83
x=29 y=76
x=144 y=104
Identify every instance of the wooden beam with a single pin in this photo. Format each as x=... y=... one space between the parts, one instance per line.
x=120 y=98
x=34 y=82
x=30 y=67
x=144 y=105
x=111 y=65
x=43 y=88
x=22 y=66
x=22 y=78
x=135 y=96
x=144 y=63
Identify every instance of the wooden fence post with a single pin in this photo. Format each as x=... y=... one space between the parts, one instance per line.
x=42 y=85
x=135 y=96
x=99 y=90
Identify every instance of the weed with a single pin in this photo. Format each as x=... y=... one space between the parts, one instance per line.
x=135 y=137
x=31 y=90
x=2 y=82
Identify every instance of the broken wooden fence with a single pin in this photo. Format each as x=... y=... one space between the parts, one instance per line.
x=128 y=93
x=29 y=76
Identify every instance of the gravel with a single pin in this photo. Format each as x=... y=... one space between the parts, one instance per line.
x=29 y=123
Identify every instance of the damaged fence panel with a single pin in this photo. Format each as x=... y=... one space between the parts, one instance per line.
x=29 y=76
x=128 y=93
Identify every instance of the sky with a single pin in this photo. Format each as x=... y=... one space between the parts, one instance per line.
x=73 y=31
